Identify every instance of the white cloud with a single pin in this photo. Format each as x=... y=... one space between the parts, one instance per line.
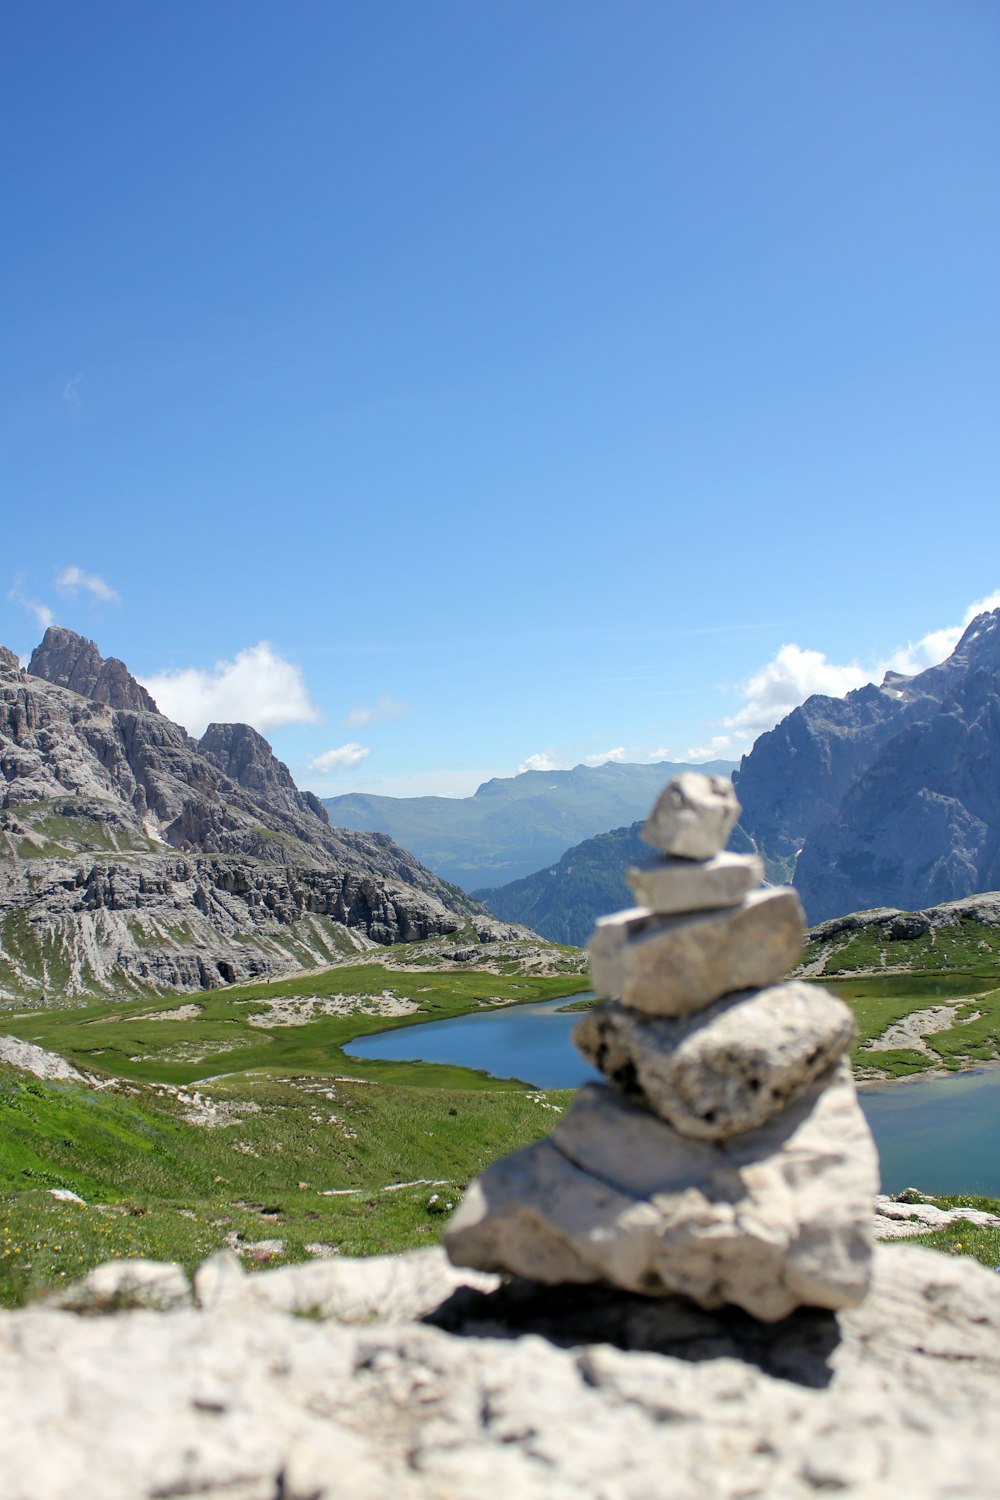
x=937 y=644
x=788 y=680
x=604 y=756
x=340 y=759
x=385 y=708
x=258 y=687
x=795 y=673
x=544 y=760
x=719 y=747
x=72 y=579
x=41 y=612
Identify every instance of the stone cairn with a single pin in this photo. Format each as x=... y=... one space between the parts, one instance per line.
x=726 y=1158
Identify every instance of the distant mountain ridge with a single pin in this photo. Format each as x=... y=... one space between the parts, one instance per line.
x=564 y=901
x=513 y=826
x=889 y=796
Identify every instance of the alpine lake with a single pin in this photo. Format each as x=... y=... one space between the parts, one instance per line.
x=938 y=1134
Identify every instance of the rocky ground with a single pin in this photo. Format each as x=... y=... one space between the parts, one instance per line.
x=400 y=1376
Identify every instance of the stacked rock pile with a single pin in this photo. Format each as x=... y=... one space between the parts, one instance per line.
x=728 y=1160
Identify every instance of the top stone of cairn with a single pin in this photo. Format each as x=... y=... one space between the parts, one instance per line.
x=693 y=817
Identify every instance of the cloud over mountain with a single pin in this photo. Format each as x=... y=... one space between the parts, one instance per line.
x=257 y=687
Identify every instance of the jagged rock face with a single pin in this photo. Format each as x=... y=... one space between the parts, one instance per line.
x=796 y=775
x=69 y=660
x=243 y=755
x=890 y=793
x=98 y=762
x=170 y=922
x=922 y=825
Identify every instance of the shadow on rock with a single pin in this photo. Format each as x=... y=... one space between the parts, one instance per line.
x=798 y=1348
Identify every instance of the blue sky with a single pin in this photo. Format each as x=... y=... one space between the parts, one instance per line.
x=447 y=388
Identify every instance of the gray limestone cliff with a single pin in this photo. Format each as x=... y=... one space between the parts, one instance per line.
x=890 y=795
x=101 y=795
x=71 y=661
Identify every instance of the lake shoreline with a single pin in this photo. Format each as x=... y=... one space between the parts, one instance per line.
x=926 y=1075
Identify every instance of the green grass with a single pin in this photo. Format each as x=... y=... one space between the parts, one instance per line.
x=877 y=1002
x=289 y=1163
x=963 y=1237
x=964 y=947
x=158 y=1186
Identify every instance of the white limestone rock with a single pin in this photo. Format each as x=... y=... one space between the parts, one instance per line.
x=693 y=816
x=118 y=1284
x=377 y=1288
x=894 y=1398
x=672 y=966
x=730 y=1067
x=670 y=886
x=775 y=1219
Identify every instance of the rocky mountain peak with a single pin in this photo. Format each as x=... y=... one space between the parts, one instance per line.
x=71 y=661
x=980 y=644
x=239 y=752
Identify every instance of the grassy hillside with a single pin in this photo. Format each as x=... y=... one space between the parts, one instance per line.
x=940 y=968
x=236 y=1119
x=299 y=1159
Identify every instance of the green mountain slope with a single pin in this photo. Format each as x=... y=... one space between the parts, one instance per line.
x=513 y=825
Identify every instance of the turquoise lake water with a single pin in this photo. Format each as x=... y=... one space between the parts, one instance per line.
x=941 y=1135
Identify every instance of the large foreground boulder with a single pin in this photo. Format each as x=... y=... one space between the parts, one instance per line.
x=258 y=1392
x=770 y=1220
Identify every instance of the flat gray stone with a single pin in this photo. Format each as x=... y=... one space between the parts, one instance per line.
x=693 y=817
x=670 y=886
x=671 y=966
x=730 y=1067
x=773 y=1220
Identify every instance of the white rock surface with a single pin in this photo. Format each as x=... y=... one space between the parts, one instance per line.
x=669 y=886
x=901 y=1221
x=730 y=1067
x=385 y=1288
x=128 y=1283
x=39 y=1061
x=774 y=1219
x=672 y=966
x=896 y=1398
x=693 y=816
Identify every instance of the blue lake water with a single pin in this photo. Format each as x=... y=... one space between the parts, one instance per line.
x=941 y=1135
